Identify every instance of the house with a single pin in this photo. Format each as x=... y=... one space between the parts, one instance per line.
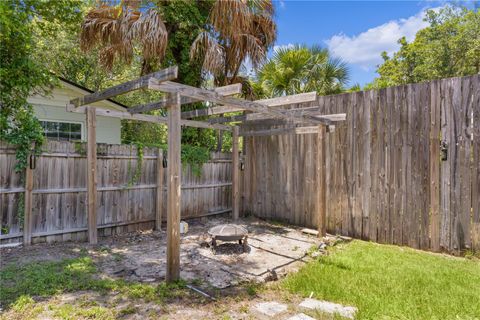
x=60 y=124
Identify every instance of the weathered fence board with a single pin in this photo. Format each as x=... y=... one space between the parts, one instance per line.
x=126 y=194
x=385 y=178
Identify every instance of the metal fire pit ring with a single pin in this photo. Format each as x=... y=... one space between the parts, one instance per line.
x=228 y=232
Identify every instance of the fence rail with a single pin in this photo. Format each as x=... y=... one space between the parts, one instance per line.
x=404 y=168
x=126 y=195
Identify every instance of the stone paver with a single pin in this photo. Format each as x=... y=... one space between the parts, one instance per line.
x=301 y=316
x=329 y=307
x=270 y=309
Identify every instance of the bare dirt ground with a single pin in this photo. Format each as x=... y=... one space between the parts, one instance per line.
x=229 y=275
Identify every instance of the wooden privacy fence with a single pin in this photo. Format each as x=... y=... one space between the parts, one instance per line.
x=403 y=169
x=126 y=193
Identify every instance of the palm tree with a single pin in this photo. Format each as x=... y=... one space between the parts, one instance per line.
x=237 y=30
x=120 y=27
x=298 y=68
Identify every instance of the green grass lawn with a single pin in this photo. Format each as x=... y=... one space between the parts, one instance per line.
x=389 y=282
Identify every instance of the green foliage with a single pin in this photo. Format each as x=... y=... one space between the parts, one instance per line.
x=449 y=47
x=45 y=279
x=298 y=69
x=195 y=156
x=389 y=282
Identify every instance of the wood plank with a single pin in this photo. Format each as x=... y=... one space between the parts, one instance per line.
x=313 y=111
x=229 y=90
x=464 y=143
x=446 y=116
x=173 y=189
x=235 y=174
x=160 y=191
x=150 y=118
x=272 y=102
x=92 y=175
x=142 y=82
x=280 y=131
x=27 y=218
x=321 y=188
x=476 y=163
x=435 y=106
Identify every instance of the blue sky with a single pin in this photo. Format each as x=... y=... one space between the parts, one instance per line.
x=356 y=31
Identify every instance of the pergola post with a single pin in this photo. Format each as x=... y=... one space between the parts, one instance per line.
x=321 y=182
x=159 y=207
x=235 y=175
x=92 y=175
x=173 y=189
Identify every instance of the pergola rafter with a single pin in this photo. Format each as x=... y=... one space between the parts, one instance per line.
x=298 y=121
x=271 y=102
x=224 y=91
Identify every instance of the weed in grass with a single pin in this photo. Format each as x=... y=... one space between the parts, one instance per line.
x=128 y=310
x=243 y=309
x=68 y=311
x=47 y=279
x=391 y=282
x=252 y=288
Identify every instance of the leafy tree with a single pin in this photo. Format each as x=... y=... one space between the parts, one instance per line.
x=299 y=68
x=449 y=47
x=20 y=73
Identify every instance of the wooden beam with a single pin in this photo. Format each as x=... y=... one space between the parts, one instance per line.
x=173 y=189
x=27 y=217
x=159 y=206
x=280 y=131
x=207 y=95
x=91 y=175
x=224 y=91
x=296 y=112
x=272 y=102
x=235 y=175
x=149 y=118
x=321 y=182
x=142 y=82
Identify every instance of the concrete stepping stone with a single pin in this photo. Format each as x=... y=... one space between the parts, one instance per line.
x=270 y=309
x=301 y=316
x=329 y=307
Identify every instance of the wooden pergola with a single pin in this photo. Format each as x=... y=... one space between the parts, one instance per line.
x=297 y=121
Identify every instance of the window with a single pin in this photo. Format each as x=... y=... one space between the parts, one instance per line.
x=62 y=130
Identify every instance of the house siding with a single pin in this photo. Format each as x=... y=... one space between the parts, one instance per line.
x=53 y=108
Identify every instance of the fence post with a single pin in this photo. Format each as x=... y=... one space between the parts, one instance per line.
x=159 y=211
x=235 y=175
x=27 y=218
x=173 y=189
x=92 y=175
x=321 y=182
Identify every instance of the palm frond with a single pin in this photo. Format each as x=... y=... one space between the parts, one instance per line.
x=207 y=48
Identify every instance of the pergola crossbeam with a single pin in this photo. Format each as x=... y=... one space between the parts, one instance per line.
x=142 y=82
x=313 y=111
x=224 y=91
x=207 y=95
x=271 y=102
x=149 y=118
x=279 y=131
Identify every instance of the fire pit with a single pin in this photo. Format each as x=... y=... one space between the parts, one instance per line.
x=228 y=232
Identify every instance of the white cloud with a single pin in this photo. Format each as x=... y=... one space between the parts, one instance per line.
x=282 y=46
x=365 y=48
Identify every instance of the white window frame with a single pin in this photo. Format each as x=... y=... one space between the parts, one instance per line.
x=81 y=123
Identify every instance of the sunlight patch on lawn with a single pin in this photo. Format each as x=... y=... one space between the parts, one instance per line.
x=393 y=282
